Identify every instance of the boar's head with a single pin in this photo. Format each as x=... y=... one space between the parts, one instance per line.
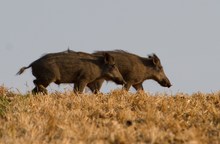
x=111 y=71
x=157 y=73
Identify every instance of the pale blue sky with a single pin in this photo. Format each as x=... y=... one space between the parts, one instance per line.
x=185 y=34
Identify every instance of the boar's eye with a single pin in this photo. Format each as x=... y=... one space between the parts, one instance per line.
x=112 y=67
x=159 y=68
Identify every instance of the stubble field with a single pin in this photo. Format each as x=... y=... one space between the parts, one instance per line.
x=116 y=118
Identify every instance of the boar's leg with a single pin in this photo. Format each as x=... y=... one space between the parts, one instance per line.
x=138 y=86
x=79 y=86
x=96 y=85
x=40 y=86
x=127 y=86
x=39 y=89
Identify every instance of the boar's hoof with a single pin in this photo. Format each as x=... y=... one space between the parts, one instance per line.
x=39 y=89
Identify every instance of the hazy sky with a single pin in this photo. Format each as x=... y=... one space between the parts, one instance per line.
x=185 y=34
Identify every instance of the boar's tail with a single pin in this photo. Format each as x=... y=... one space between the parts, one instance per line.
x=22 y=70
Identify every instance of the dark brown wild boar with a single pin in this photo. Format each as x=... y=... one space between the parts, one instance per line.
x=67 y=67
x=135 y=70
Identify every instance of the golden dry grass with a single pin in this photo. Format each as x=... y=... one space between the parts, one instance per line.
x=118 y=117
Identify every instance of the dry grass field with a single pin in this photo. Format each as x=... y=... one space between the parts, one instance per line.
x=115 y=118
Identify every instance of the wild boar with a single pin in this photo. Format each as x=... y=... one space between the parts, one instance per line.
x=135 y=70
x=67 y=67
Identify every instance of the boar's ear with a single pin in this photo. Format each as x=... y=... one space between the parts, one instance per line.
x=108 y=59
x=154 y=58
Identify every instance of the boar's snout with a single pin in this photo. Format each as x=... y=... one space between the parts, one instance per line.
x=169 y=85
x=165 y=83
x=120 y=81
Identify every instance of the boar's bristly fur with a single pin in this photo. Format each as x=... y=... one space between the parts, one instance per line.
x=135 y=70
x=73 y=67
